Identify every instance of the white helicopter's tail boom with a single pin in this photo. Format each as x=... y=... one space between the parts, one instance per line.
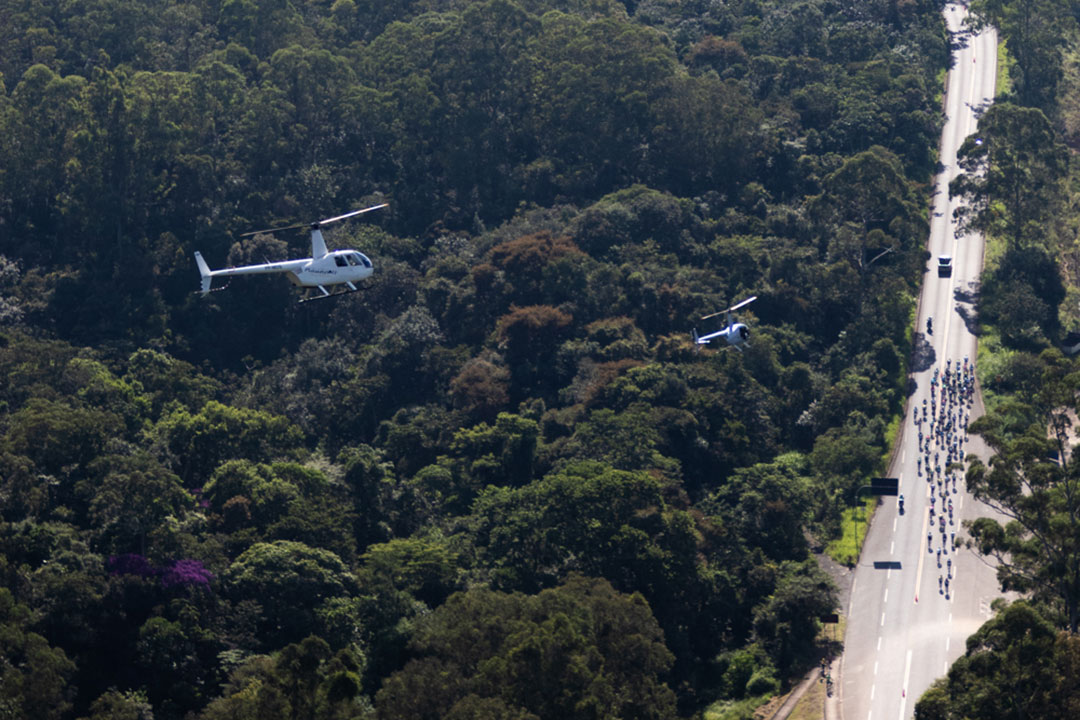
x=204 y=272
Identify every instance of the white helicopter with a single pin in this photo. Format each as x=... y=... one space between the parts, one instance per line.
x=322 y=269
x=736 y=333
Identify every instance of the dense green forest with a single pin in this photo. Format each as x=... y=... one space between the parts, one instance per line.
x=497 y=481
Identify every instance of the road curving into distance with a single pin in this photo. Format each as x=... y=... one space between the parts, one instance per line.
x=903 y=630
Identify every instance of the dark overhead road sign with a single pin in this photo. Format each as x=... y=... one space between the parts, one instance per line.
x=885 y=486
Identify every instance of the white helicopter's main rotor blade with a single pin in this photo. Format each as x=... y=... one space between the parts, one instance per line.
x=271 y=231
x=733 y=308
x=744 y=303
x=351 y=214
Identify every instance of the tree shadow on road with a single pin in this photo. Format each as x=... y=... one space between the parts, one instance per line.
x=959 y=40
x=967 y=301
x=923 y=355
x=979 y=109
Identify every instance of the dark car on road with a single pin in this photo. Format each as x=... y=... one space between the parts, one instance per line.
x=944 y=266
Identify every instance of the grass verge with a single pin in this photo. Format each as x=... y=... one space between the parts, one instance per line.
x=992 y=356
x=890 y=438
x=811 y=706
x=1004 y=84
x=897 y=420
x=855 y=520
x=991 y=359
x=744 y=709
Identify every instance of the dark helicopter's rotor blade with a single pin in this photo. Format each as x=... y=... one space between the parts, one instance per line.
x=327 y=221
x=271 y=231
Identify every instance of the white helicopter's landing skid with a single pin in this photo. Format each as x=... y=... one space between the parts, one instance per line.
x=326 y=295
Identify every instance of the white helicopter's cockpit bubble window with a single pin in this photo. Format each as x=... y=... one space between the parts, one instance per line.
x=339 y=260
x=361 y=259
x=352 y=259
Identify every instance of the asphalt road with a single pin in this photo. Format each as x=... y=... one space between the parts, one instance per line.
x=903 y=628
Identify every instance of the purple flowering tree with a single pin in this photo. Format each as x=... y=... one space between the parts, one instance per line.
x=181 y=573
x=188 y=572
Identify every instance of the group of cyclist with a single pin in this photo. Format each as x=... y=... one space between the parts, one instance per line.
x=942 y=432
